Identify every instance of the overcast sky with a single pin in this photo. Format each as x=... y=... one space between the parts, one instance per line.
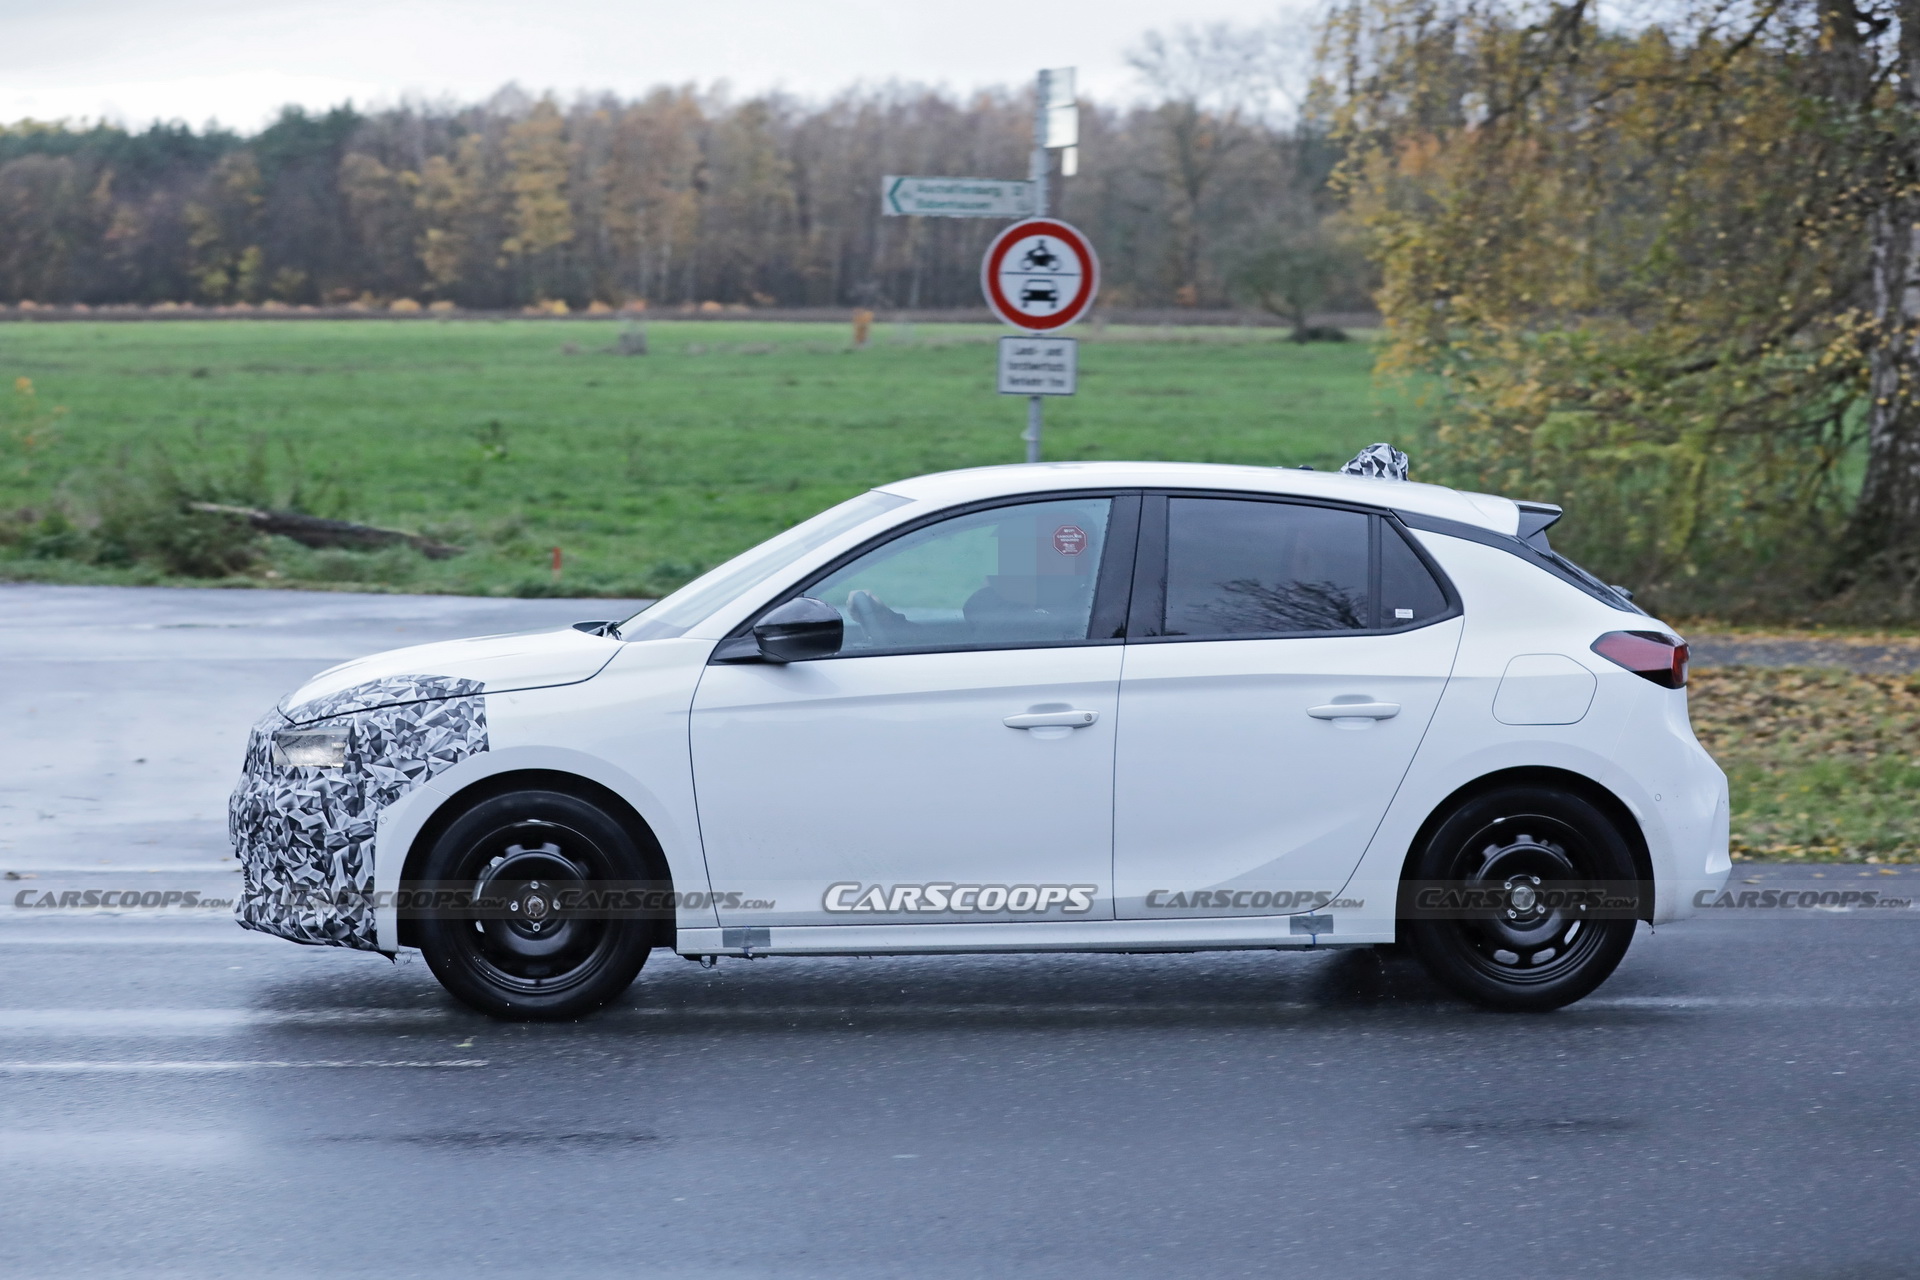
x=238 y=61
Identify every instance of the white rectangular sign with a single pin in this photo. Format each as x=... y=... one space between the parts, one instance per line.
x=1039 y=366
x=956 y=197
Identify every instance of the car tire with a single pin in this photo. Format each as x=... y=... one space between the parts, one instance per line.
x=530 y=962
x=1523 y=955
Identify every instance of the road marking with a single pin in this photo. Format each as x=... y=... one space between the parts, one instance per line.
x=1738 y=1002
x=87 y=1022
x=42 y=1022
x=90 y=1066
x=58 y=1023
x=119 y=1146
x=21 y=936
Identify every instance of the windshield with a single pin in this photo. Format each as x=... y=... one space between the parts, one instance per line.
x=676 y=614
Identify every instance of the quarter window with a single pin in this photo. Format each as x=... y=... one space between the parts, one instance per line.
x=1408 y=594
x=1002 y=578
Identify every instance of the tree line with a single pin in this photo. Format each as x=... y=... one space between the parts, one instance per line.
x=1200 y=198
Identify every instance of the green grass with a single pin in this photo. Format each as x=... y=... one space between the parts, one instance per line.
x=644 y=470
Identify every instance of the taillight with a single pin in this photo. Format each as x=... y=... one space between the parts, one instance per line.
x=1653 y=654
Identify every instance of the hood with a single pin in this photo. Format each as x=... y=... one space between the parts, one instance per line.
x=486 y=664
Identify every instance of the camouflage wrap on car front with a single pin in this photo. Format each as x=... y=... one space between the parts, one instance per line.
x=305 y=836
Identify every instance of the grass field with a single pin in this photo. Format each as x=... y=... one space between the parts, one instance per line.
x=509 y=438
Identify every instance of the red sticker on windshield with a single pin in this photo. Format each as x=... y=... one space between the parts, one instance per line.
x=1069 y=539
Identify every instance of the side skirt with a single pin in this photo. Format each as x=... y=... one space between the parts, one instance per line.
x=1236 y=933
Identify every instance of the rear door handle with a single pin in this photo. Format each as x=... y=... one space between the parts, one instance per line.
x=1355 y=710
x=1050 y=719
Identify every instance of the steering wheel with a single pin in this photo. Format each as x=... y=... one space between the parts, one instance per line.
x=880 y=623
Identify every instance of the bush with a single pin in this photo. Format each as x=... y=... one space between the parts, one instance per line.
x=54 y=537
x=145 y=514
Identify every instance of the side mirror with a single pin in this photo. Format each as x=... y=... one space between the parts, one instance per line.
x=801 y=628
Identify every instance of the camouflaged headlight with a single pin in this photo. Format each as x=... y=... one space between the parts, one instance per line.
x=322 y=748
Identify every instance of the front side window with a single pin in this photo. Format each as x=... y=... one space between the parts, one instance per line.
x=1005 y=577
x=1246 y=568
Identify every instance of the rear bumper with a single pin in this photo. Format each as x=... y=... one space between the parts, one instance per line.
x=1699 y=858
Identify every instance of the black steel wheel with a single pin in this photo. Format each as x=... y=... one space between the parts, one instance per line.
x=529 y=958
x=1513 y=922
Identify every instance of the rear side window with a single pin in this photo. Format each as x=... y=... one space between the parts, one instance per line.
x=1244 y=567
x=1408 y=593
x=1241 y=568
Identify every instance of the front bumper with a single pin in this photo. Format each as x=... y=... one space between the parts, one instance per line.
x=305 y=836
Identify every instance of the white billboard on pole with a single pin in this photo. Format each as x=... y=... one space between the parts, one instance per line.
x=956 y=197
x=1039 y=366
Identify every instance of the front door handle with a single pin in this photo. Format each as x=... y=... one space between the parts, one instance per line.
x=1355 y=710
x=1051 y=719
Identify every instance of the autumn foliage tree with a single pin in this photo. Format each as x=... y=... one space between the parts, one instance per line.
x=1648 y=267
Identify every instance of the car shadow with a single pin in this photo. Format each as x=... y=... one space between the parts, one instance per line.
x=955 y=992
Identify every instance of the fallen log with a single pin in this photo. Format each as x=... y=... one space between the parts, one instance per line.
x=317 y=531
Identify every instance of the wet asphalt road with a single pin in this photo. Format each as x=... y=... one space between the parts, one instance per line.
x=1739 y=1101
x=1867 y=655
x=181 y=1098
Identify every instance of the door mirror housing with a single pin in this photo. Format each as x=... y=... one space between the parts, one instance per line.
x=800 y=629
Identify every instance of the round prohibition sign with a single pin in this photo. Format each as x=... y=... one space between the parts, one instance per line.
x=1040 y=275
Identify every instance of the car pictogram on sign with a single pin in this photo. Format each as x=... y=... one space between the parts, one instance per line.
x=1040 y=291
x=1040 y=275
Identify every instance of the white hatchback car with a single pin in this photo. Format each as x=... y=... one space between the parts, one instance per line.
x=1068 y=707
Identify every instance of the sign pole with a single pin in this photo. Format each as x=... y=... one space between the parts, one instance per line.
x=1037 y=165
x=1037 y=173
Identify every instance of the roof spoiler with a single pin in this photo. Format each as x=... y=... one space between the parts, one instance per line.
x=1535 y=519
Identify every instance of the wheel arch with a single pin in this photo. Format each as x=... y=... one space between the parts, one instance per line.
x=482 y=789
x=1545 y=775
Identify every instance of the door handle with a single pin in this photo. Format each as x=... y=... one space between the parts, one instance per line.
x=1355 y=710
x=1050 y=719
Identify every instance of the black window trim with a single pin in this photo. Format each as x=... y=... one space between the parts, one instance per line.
x=1111 y=592
x=1551 y=561
x=1150 y=581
